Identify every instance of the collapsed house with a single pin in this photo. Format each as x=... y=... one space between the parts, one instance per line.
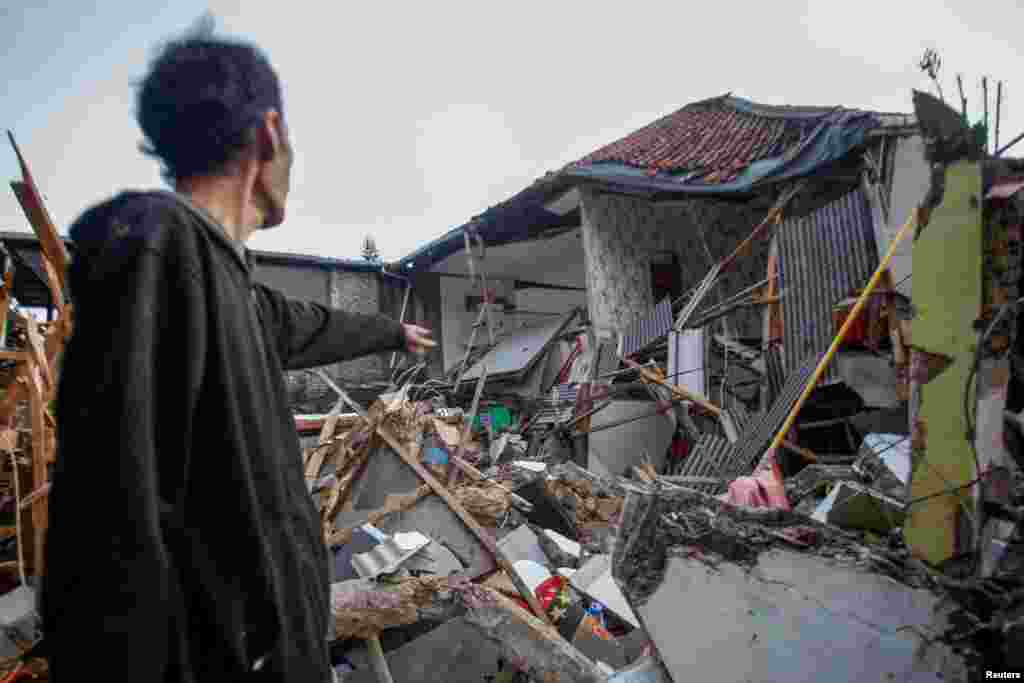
x=695 y=360
x=691 y=418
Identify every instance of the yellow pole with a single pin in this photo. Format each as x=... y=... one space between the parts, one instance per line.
x=850 y=319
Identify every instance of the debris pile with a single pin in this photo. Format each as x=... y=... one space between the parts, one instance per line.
x=30 y=352
x=680 y=502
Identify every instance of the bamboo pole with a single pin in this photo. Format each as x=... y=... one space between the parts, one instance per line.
x=914 y=219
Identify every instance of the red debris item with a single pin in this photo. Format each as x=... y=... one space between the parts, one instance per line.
x=763 y=489
x=802 y=536
x=680 y=449
x=551 y=591
x=563 y=374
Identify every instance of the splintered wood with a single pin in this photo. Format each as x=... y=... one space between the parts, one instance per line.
x=31 y=387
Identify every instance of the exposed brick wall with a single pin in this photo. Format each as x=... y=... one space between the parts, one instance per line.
x=622 y=234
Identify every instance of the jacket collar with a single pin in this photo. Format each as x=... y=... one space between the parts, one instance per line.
x=241 y=254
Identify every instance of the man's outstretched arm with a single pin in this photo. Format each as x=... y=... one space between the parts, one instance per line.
x=311 y=335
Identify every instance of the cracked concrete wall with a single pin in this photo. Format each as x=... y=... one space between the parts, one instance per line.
x=622 y=234
x=361 y=293
x=298 y=281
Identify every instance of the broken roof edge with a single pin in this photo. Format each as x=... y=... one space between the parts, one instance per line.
x=520 y=218
x=627 y=180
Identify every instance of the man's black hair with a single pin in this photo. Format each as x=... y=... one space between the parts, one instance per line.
x=201 y=101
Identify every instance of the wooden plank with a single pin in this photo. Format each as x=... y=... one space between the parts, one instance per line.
x=485 y=538
x=331 y=423
x=677 y=391
x=35 y=210
x=39 y=470
x=792 y=447
x=38 y=354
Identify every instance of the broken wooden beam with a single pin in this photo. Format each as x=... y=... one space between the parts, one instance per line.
x=676 y=390
x=363 y=609
x=455 y=506
x=803 y=452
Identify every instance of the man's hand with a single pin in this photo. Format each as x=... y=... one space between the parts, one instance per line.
x=418 y=339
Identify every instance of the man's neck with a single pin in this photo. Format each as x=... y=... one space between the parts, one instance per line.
x=227 y=200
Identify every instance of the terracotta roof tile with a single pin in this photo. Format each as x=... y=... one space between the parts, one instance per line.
x=711 y=138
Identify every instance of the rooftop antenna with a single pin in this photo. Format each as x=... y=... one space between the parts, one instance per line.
x=999 y=112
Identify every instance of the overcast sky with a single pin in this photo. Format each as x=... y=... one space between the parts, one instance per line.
x=409 y=118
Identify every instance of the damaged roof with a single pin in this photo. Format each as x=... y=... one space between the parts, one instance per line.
x=724 y=145
x=716 y=138
x=727 y=145
x=522 y=217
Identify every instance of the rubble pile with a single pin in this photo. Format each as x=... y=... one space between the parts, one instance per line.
x=663 y=525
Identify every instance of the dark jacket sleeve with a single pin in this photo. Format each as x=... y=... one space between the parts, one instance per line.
x=125 y=404
x=310 y=335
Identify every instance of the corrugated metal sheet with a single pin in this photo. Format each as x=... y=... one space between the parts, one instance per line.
x=775 y=373
x=647 y=330
x=711 y=457
x=515 y=354
x=559 y=406
x=716 y=457
x=741 y=417
x=759 y=434
x=823 y=258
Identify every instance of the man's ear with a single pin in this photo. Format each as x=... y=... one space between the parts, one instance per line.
x=269 y=135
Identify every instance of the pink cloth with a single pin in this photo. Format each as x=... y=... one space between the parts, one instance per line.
x=763 y=489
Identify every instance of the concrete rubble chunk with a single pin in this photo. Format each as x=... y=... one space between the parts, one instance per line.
x=852 y=506
x=795 y=618
x=19 y=620
x=455 y=652
x=595 y=580
x=522 y=544
x=560 y=551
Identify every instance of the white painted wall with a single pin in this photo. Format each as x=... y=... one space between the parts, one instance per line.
x=556 y=260
x=458 y=322
x=548 y=301
x=910 y=182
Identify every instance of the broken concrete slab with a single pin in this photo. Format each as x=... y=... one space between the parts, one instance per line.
x=385 y=474
x=794 y=618
x=432 y=517
x=522 y=544
x=19 y=621
x=547 y=513
x=453 y=652
x=595 y=580
x=560 y=551
x=872 y=377
x=614 y=451
x=852 y=506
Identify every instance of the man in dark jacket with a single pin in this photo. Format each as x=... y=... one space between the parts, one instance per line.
x=184 y=545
